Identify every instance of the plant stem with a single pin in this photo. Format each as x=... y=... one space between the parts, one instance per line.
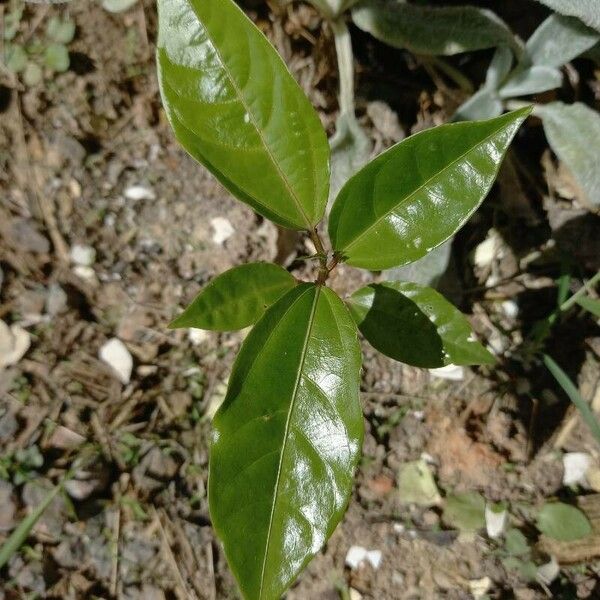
x=322 y=255
x=345 y=59
x=569 y=302
x=463 y=82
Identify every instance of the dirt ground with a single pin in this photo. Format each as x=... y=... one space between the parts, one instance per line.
x=88 y=159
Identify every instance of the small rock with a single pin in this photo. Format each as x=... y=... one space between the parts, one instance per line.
x=510 y=308
x=56 y=300
x=357 y=555
x=593 y=478
x=115 y=354
x=65 y=438
x=198 y=336
x=14 y=343
x=139 y=192
x=25 y=236
x=84 y=272
x=480 y=587
x=223 y=230
x=84 y=256
x=495 y=521
x=576 y=465
x=355 y=594
x=451 y=372
x=381 y=485
x=488 y=250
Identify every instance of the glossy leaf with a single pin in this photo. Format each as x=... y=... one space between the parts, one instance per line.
x=573 y=132
x=563 y=522
x=415 y=325
x=236 y=298
x=433 y=30
x=417 y=194
x=237 y=110
x=287 y=439
x=586 y=10
x=526 y=81
x=560 y=39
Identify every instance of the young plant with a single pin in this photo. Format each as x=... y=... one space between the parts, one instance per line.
x=288 y=435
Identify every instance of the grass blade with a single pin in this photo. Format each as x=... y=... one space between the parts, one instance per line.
x=19 y=535
x=569 y=388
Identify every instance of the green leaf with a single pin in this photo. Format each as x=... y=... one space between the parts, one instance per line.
x=558 y=40
x=416 y=484
x=465 y=511
x=531 y=80
x=237 y=110
x=417 y=194
x=16 y=58
x=483 y=104
x=573 y=132
x=60 y=31
x=415 y=325
x=56 y=57
x=236 y=298
x=499 y=68
x=433 y=30
x=563 y=522
x=33 y=74
x=515 y=543
x=592 y=305
x=586 y=10
x=287 y=440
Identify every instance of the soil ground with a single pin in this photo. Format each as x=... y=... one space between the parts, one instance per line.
x=135 y=522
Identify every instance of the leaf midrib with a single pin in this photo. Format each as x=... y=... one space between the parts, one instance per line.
x=419 y=189
x=252 y=118
x=286 y=432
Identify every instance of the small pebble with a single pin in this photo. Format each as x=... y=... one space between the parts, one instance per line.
x=81 y=255
x=198 y=336
x=223 y=230
x=115 y=354
x=576 y=465
x=495 y=521
x=139 y=192
x=14 y=343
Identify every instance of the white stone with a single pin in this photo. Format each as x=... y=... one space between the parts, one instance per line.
x=198 y=336
x=510 y=308
x=452 y=372
x=355 y=594
x=84 y=256
x=139 y=192
x=576 y=465
x=223 y=230
x=115 y=354
x=357 y=555
x=83 y=272
x=480 y=587
x=488 y=250
x=14 y=343
x=495 y=522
